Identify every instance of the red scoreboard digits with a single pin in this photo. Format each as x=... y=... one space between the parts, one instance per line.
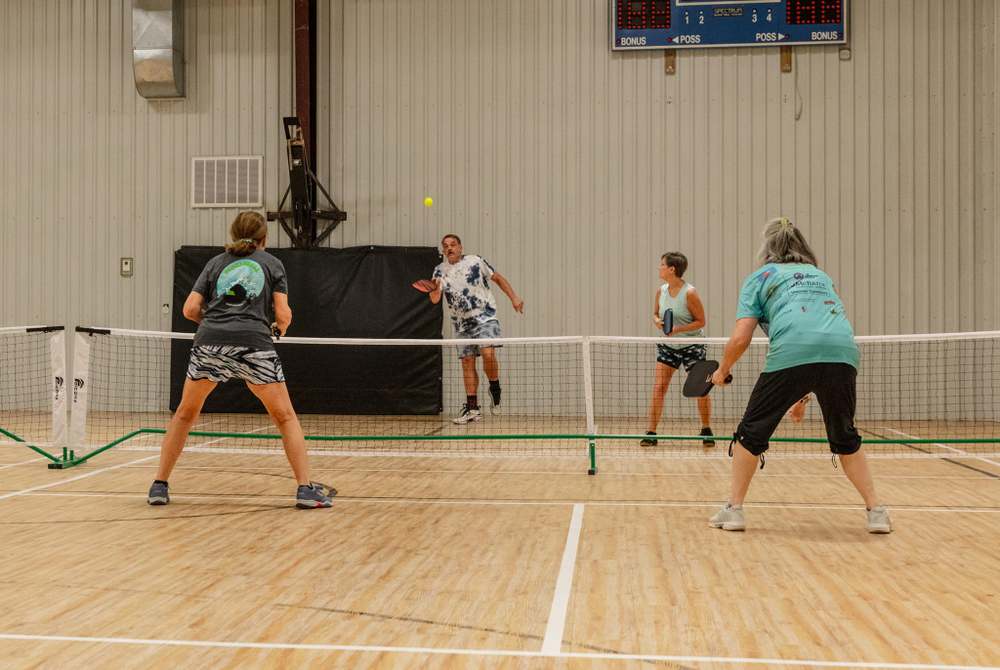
x=799 y=12
x=643 y=14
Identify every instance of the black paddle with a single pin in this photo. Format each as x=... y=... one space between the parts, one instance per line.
x=699 y=379
x=668 y=322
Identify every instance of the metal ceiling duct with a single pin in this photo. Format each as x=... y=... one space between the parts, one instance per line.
x=158 y=48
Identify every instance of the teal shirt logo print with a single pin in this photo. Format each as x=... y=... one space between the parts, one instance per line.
x=240 y=282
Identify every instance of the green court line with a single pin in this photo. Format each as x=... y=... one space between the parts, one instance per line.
x=591 y=438
x=556 y=436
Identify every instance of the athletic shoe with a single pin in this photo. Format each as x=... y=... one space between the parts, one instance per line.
x=158 y=494
x=708 y=432
x=878 y=520
x=729 y=518
x=649 y=441
x=467 y=415
x=310 y=496
x=495 y=402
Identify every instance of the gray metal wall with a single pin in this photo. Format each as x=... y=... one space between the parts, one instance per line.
x=91 y=172
x=573 y=168
x=570 y=167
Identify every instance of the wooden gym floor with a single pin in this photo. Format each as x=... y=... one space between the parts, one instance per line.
x=498 y=563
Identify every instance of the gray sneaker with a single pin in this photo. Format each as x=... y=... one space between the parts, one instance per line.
x=878 y=520
x=729 y=518
x=310 y=496
x=158 y=494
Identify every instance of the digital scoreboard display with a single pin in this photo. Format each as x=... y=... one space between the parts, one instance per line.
x=679 y=24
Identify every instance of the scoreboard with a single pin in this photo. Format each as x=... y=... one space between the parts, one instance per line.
x=679 y=24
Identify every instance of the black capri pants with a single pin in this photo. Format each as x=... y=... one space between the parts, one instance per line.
x=835 y=387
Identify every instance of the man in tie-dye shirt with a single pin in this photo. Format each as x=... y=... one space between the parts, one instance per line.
x=465 y=283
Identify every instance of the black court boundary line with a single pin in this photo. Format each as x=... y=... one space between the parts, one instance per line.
x=916 y=447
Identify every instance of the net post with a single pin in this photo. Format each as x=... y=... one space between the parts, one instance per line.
x=58 y=387
x=81 y=388
x=588 y=398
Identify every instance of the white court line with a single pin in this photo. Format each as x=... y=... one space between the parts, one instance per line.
x=552 y=644
x=14 y=465
x=73 y=479
x=442 y=651
x=238 y=500
x=960 y=452
x=205 y=423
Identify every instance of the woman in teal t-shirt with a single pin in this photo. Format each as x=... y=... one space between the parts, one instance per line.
x=811 y=350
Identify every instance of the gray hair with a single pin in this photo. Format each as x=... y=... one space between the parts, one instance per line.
x=784 y=243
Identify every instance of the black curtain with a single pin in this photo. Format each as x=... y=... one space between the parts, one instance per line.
x=356 y=292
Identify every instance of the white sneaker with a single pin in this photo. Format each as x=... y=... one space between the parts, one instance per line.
x=729 y=518
x=878 y=520
x=467 y=415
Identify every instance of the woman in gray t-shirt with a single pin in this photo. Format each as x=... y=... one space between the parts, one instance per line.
x=232 y=302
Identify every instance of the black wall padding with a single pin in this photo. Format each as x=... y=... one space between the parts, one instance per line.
x=356 y=292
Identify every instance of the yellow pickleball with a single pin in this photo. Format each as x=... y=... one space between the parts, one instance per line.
x=428 y=201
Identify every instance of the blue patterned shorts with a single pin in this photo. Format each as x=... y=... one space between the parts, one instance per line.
x=486 y=330
x=220 y=363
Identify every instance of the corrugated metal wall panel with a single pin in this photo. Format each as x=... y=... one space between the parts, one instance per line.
x=989 y=170
x=569 y=166
x=573 y=168
x=92 y=172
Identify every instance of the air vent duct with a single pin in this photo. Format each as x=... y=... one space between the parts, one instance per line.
x=158 y=48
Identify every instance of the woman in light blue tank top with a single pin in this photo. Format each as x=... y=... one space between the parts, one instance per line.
x=682 y=299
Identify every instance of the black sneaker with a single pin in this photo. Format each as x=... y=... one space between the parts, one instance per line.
x=649 y=441
x=707 y=432
x=158 y=494
x=311 y=496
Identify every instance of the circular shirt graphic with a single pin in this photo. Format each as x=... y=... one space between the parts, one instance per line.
x=240 y=282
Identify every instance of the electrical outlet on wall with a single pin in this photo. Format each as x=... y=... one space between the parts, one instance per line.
x=126 y=266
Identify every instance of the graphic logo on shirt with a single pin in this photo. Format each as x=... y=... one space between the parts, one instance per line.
x=240 y=282
x=799 y=276
x=765 y=273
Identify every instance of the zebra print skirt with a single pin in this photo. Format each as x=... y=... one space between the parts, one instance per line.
x=220 y=363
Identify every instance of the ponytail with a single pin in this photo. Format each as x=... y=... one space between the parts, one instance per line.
x=784 y=243
x=248 y=232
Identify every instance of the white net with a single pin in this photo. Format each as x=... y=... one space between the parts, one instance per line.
x=918 y=396
x=33 y=385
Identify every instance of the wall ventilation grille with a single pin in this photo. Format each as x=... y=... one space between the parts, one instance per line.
x=227 y=181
